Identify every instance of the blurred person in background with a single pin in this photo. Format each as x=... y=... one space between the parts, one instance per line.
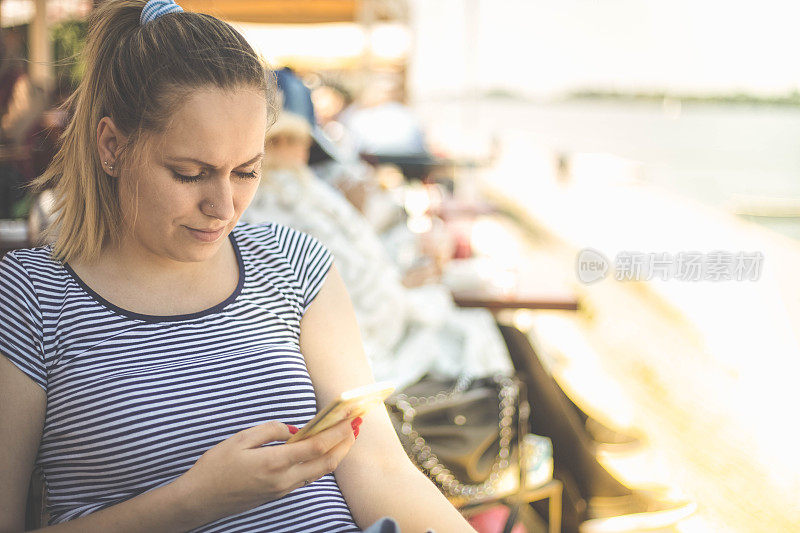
x=22 y=102
x=406 y=331
x=330 y=100
x=21 y=106
x=16 y=89
x=419 y=257
x=380 y=124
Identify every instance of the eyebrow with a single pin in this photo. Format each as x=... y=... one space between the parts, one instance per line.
x=209 y=165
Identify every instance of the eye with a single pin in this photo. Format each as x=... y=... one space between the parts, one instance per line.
x=187 y=179
x=253 y=174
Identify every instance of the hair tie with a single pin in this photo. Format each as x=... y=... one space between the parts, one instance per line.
x=155 y=8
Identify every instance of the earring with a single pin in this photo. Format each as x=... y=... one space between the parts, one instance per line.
x=212 y=206
x=110 y=167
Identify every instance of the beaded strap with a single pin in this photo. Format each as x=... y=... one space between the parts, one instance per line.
x=423 y=456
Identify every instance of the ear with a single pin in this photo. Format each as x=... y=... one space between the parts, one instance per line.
x=109 y=143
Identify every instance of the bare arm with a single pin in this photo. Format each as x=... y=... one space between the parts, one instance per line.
x=22 y=406
x=376 y=478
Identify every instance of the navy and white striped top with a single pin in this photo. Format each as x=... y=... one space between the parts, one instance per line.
x=134 y=400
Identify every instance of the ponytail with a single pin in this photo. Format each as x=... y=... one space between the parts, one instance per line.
x=137 y=75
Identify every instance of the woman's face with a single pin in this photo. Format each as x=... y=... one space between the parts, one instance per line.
x=187 y=189
x=286 y=150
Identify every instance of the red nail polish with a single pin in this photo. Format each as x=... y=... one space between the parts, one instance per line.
x=355 y=422
x=292 y=429
x=355 y=432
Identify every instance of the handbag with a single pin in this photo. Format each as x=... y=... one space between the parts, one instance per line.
x=464 y=433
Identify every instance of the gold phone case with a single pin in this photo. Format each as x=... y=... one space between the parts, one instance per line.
x=349 y=404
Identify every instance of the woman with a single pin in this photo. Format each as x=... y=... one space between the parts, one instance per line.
x=157 y=355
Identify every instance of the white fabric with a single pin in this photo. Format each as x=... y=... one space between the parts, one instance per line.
x=406 y=332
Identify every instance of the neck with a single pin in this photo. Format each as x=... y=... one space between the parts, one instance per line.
x=131 y=261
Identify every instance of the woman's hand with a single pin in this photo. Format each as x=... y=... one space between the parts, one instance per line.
x=239 y=473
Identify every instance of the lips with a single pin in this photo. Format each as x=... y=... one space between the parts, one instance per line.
x=208 y=230
x=205 y=235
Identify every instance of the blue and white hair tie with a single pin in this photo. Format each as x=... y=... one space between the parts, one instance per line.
x=155 y=8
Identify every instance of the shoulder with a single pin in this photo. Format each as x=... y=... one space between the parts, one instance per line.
x=272 y=238
x=41 y=255
x=29 y=264
x=249 y=235
x=275 y=250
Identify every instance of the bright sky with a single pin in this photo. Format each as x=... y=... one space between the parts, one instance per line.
x=544 y=46
x=541 y=47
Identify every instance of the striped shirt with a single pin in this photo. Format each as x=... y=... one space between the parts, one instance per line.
x=133 y=400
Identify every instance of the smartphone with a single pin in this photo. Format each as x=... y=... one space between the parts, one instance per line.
x=349 y=404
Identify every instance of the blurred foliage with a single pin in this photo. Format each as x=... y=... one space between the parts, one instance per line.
x=22 y=207
x=68 y=39
x=12 y=197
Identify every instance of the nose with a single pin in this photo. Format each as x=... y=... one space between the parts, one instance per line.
x=218 y=201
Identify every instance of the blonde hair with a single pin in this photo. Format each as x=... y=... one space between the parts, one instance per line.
x=290 y=124
x=291 y=127
x=137 y=75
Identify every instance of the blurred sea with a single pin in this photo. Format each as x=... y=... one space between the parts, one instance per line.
x=708 y=152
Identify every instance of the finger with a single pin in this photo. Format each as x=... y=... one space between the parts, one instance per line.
x=320 y=444
x=263 y=433
x=316 y=468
